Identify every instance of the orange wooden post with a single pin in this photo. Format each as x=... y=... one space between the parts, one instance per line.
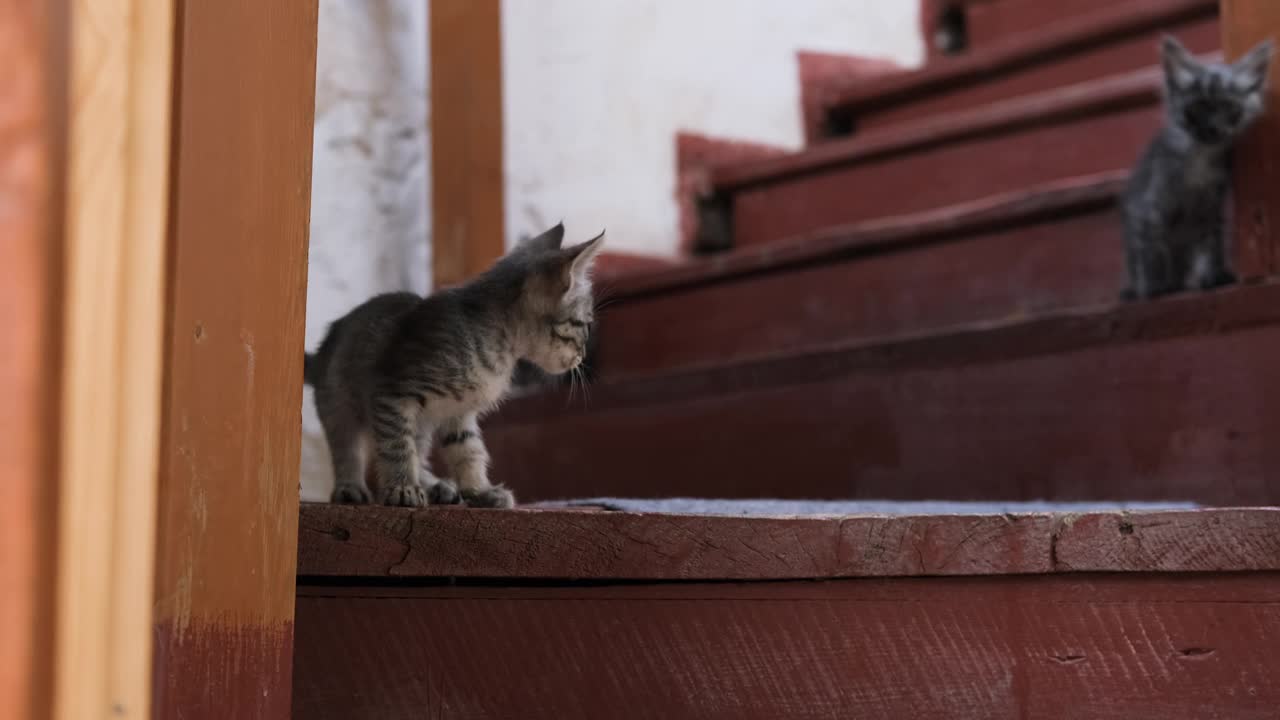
x=1245 y=23
x=228 y=507
x=467 y=227
x=32 y=136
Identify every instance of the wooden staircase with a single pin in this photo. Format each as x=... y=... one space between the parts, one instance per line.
x=928 y=308
x=922 y=304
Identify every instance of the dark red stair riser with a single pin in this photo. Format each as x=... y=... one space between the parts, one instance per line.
x=1061 y=411
x=1048 y=264
x=1202 y=35
x=989 y=23
x=924 y=178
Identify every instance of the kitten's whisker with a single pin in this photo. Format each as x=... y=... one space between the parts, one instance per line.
x=586 y=385
x=606 y=303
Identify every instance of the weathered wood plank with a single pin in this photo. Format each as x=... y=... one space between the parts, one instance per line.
x=1098 y=646
x=1245 y=23
x=1073 y=50
x=344 y=541
x=1174 y=542
x=226 y=545
x=33 y=125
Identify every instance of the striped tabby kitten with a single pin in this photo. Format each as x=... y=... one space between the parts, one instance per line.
x=400 y=372
x=1175 y=206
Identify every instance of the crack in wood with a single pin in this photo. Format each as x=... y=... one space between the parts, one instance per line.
x=406 y=540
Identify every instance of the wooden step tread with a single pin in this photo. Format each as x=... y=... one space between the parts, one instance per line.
x=1034 y=250
x=381 y=542
x=1003 y=340
x=880 y=235
x=1169 y=400
x=952 y=158
x=1140 y=87
x=1072 y=39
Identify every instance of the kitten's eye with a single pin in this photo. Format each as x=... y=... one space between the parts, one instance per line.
x=1232 y=114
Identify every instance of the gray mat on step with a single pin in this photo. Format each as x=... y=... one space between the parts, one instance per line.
x=700 y=506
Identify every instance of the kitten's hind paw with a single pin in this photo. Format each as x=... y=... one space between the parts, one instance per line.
x=411 y=495
x=444 y=492
x=494 y=496
x=346 y=494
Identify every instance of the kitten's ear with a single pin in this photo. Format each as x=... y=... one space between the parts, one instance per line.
x=1250 y=72
x=1180 y=68
x=578 y=261
x=549 y=240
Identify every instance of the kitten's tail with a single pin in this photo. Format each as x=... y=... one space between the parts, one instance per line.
x=311 y=369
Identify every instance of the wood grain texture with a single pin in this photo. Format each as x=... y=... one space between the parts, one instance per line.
x=226 y=548
x=1053 y=248
x=1123 y=647
x=1169 y=400
x=1010 y=158
x=1072 y=50
x=1245 y=23
x=33 y=77
x=373 y=542
x=467 y=206
x=1220 y=540
x=117 y=215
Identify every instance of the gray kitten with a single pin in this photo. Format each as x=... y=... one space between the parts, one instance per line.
x=400 y=372
x=1175 y=205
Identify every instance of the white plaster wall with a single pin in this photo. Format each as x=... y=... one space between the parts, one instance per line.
x=595 y=91
x=369 y=193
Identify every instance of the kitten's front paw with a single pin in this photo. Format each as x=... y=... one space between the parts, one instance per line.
x=494 y=496
x=444 y=492
x=346 y=494
x=403 y=495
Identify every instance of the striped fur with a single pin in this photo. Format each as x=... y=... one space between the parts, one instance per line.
x=401 y=372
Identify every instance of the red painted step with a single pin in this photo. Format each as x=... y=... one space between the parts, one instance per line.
x=1094 y=127
x=1032 y=251
x=990 y=22
x=1170 y=400
x=648 y=615
x=1076 y=49
x=824 y=77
